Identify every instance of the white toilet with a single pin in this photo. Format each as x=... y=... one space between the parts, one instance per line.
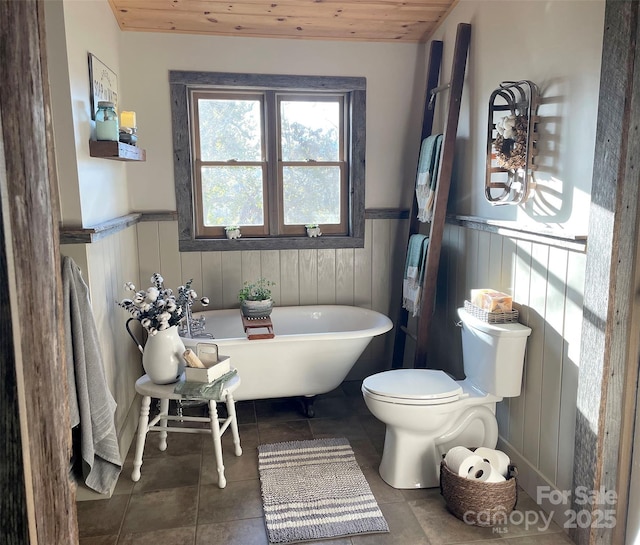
x=427 y=412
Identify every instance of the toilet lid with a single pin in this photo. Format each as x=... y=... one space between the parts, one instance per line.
x=414 y=384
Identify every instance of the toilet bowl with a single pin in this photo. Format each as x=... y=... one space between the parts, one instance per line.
x=426 y=412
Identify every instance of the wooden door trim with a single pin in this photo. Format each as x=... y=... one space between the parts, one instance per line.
x=607 y=356
x=37 y=497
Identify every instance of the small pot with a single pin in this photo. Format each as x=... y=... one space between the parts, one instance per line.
x=232 y=233
x=257 y=309
x=313 y=232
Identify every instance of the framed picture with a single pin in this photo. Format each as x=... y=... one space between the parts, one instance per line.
x=104 y=84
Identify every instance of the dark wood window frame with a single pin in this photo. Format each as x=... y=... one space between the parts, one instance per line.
x=181 y=85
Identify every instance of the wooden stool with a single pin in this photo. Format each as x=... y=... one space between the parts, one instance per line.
x=164 y=392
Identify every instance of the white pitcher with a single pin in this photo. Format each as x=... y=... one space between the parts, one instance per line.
x=162 y=355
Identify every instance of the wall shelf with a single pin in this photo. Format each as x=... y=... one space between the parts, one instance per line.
x=118 y=151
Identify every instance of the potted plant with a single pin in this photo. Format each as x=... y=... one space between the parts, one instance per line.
x=232 y=231
x=313 y=230
x=255 y=298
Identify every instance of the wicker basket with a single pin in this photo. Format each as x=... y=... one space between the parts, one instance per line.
x=479 y=503
x=510 y=317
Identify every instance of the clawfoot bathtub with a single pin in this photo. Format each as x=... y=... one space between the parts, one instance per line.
x=313 y=349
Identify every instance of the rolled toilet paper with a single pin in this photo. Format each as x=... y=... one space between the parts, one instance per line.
x=483 y=471
x=498 y=459
x=460 y=460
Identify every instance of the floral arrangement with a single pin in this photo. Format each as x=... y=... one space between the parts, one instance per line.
x=259 y=290
x=511 y=142
x=157 y=308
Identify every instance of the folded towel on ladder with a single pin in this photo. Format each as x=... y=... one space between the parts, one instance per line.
x=414 y=271
x=427 y=177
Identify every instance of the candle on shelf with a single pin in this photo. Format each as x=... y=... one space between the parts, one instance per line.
x=128 y=119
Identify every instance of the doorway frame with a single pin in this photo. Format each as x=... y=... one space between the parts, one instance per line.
x=37 y=496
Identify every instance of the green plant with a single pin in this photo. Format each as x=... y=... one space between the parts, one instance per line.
x=256 y=291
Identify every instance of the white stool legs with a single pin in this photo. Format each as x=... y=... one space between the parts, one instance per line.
x=164 y=393
x=143 y=423
x=164 y=412
x=231 y=412
x=217 y=444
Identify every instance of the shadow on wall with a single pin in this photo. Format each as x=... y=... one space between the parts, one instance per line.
x=553 y=199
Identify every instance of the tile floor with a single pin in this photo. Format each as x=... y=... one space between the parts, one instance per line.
x=177 y=500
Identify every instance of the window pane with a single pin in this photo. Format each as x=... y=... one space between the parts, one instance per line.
x=311 y=195
x=309 y=130
x=232 y=196
x=230 y=129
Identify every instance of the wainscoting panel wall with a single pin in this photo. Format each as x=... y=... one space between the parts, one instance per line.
x=106 y=265
x=368 y=277
x=548 y=283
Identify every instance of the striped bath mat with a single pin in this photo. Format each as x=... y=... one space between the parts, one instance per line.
x=315 y=490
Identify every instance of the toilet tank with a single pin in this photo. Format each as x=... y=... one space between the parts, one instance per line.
x=493 y=354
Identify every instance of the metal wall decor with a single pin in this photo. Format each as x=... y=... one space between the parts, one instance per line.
x=511 y=142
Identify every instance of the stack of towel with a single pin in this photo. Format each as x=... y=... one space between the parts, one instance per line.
x=414 y=273
x=427 y=177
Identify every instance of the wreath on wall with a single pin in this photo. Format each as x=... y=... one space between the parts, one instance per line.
x=510 y=143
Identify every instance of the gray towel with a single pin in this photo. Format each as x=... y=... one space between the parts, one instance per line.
x=91 y=404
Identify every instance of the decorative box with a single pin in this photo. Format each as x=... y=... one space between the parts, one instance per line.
x=212 y=372
x=491 y=300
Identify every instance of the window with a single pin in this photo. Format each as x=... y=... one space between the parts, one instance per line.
x=270 y=154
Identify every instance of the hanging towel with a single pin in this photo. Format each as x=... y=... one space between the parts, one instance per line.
x=91 y=404
x=414 y=273
x=427 y=177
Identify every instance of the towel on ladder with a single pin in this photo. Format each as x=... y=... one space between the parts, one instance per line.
x=427 y=177
x=91 y=404
x=414 y=273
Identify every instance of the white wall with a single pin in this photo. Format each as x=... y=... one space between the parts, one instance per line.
x=395 y=79
x=61 y=104
x=101 y=184
x=557 y=45
x=93 y=190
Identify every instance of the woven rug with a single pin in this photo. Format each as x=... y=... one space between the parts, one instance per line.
x=315 y=490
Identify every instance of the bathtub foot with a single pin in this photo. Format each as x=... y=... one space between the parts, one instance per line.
x=307 y=406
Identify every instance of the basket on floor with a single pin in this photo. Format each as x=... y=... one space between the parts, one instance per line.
x=479 y=503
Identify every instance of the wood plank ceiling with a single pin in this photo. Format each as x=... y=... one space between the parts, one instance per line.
x=408 y=21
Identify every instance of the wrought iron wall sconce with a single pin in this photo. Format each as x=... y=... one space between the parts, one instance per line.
x=512 y=143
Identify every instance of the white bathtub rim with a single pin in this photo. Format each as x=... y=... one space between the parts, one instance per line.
x=382 y=325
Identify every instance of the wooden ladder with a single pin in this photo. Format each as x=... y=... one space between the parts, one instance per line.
x=436 y=228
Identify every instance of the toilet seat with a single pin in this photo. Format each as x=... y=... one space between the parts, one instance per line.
x=412 y=387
